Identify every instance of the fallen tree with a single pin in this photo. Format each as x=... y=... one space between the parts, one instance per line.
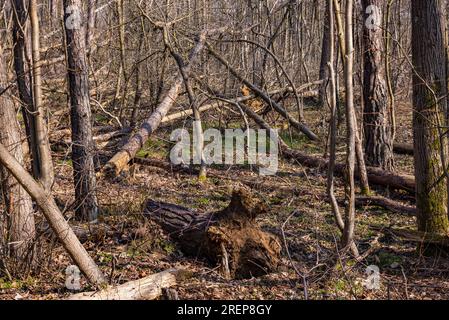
x=229 y=237
x=385 y=203
x=422 y=238
x=375 y=175
x=54 y=217
x=404 y=148
x=361 y=201
x=148 y=288
x=120 y=160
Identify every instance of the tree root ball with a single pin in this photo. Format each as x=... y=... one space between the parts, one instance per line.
x=230 y=238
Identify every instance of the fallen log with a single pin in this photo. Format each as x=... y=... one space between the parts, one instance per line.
x=214 y=105
x=120 y=160
x=417 y=236
x=148 y=288
x=361 y=201
x=111 y=135
x=404 y=148
x=230 y=237
x=375 y=175
x=386 y=203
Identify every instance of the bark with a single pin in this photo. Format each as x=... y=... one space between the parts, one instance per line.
x=20 y=67
x=41 y=152
x=232 y=232
x=19 y=208
x=429 y=114
x=351 y=127
x=54 y=217
x=377 y=127
x=325 y=53
x=136 y=142
x=83 y=148
x=148 y=288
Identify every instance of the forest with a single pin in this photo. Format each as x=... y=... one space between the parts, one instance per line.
x=224 y=150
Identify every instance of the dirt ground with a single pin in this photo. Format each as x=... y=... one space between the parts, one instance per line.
x=132 y=247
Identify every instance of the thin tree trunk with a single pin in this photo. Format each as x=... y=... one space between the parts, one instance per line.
x=358 y=141
x=351 y=127
x=332 y=101
x=20 y=24
x=325 y=54
x=42 y=150
x=83 y=149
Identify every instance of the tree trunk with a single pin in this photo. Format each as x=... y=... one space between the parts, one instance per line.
x=42 y=152
x=325 y=54
x=22 y=75
x=83 y=149
x=377 y=127
x=351 y=127
x=18 y=203
x=429 y=114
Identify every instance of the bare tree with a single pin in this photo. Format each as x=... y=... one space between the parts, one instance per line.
x=21 y=67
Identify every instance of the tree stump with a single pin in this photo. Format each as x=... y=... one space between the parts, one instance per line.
x=230 y=237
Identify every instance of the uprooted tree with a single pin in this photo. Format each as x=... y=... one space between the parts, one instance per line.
x=229 y=237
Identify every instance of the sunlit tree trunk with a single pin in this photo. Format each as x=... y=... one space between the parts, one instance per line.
x=377 y=126
x=429 y=114
x=41 y=151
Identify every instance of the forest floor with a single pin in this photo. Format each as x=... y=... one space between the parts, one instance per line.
x=132 y=247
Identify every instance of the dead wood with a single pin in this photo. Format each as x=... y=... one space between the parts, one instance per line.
x=148 y=288
x=403 y=148
x=232 y=232
x=418 y=237
x=120 y=160
x=387 y=204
